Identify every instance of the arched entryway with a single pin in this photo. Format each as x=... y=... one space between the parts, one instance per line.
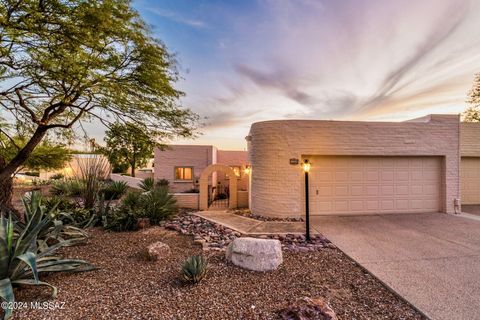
x=232 y=185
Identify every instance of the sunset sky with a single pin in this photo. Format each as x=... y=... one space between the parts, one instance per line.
x=247 y=61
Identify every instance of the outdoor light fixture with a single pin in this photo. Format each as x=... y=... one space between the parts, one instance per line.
x=306 y=166
x=248 y=169
x=306 y=169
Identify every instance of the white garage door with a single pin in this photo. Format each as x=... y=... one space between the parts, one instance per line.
x=470 y=180
x=359 y=185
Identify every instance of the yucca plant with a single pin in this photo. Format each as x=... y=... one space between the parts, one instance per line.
x=20 y=261
x=194 y=269
x=147 y=184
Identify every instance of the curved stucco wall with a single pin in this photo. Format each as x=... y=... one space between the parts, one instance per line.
x=277 y=186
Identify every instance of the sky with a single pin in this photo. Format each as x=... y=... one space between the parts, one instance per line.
x=253 y=60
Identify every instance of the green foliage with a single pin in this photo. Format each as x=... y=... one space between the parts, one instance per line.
x=115 y=190
x=147 y=184
x=71 y=188
x=163 y=183
x=46 y=156
x=57 y=176
x=53 y=230
x=125 y=216
x=63 y=62
x=194 y=269
x=128 y=144
x=159 y=205
x=21 y=262
x=92 y=171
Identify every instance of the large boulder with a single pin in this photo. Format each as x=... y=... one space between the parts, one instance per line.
x=158 y=251
x=255 y=254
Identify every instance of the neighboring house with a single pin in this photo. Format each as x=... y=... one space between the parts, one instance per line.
x=182 y=166
x=77 y=164
x=364 y=167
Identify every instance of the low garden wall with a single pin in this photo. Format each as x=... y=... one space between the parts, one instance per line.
x=131 y=181
x=187 y=200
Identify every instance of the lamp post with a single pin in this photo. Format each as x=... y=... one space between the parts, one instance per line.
x=306 y=169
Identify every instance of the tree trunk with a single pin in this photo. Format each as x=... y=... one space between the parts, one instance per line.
x=132 y=171
x=6 y=191
x=8 y=169
x=133 y=166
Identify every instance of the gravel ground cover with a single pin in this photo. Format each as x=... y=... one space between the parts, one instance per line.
x=127 y=286
x=216 y=237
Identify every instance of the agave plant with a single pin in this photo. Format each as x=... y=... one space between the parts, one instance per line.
x=21 y=263
x=194 y=269
x=53 y=229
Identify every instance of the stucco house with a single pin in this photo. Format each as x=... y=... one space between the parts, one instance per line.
x=429 y=164
x=183 y=165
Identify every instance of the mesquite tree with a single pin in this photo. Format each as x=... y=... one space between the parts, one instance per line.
x=128 y=144
x=67 y=61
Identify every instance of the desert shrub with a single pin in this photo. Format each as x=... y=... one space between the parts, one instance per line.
x=163 y=183
x=147 y=184
x=21 y=263
x=53 y=229
x=92 y=171
x=115 y=190
x=71 y=188
x=124 y=217
x=158 y=204
x=79 y=217
x=194 y=269
x=61 y=202
x=57 y=176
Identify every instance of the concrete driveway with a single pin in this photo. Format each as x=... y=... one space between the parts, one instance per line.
x=432 y=260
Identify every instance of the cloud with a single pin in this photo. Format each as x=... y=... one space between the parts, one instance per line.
x=392 y=84
x=281 y=80
x=173 y=16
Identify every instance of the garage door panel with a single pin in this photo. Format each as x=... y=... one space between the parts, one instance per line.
x=470 y=180
x=375 y=185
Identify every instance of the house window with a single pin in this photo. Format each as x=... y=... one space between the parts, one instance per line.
x=237 y=170
x=184 y=173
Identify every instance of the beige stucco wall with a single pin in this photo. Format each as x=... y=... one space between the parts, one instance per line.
x=187 y=200
x=470 y=139
x=277 y=186
x=242 y=199
x=233 y=158
x=198 y=157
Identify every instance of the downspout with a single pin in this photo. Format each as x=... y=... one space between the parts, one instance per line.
x=457 y=206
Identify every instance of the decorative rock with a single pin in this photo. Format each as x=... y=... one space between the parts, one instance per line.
x=143 y=223
x=158 y=251
x=255 y=254
x=307 y=308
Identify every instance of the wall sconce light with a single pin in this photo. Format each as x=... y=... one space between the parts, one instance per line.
x=248 y=169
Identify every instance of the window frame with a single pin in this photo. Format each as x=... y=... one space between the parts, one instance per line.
x=182 y=180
